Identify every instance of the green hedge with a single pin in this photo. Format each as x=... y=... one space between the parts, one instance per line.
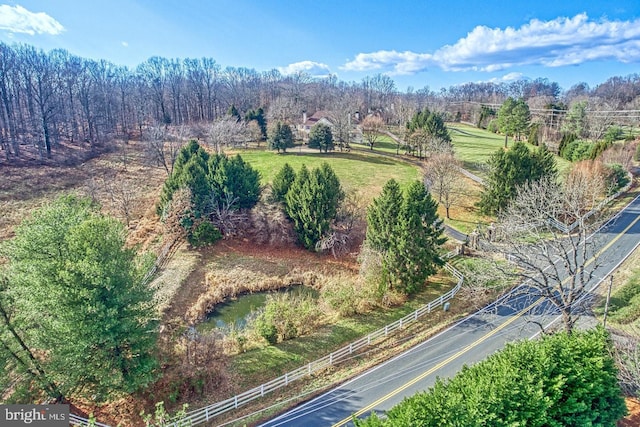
x=559 y=380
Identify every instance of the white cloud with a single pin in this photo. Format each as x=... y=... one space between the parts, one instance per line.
x=559 y=42
x=401 y=62
x=509 y=77
x=17 y=19
x=314 y=69
x=125 y=44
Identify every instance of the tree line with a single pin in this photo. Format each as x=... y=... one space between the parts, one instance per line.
x=49 y=98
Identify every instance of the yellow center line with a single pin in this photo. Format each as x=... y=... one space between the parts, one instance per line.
x=439 y=365
x=478 y=341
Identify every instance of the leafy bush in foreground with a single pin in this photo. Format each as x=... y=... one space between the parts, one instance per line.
x=560 y=380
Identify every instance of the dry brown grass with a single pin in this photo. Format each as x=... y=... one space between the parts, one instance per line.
x=110 y=179
x=249 y=268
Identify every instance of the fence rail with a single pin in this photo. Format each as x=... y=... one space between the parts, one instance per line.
x=207 y=413
x=568 y=228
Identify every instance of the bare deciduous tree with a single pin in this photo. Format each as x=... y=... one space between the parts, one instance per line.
x=444 y=179
x=123 y=197
x=626 y=353
x=371 y=128
x=227 y=131
x=162 y=148
x=341 y=116
x=556 y=265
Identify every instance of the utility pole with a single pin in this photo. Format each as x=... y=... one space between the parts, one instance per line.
x=606 y=304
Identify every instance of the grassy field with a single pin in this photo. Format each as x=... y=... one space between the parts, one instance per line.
x=474 y=146
x=363 y=173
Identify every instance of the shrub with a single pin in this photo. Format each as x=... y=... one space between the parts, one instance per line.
x=204 y=234
x=577 y=150
x=614 y=133
x=493 y=126
x=616 y=178
x=567 y=138
x=287 y=316
x=559 y=380
x=267 y=330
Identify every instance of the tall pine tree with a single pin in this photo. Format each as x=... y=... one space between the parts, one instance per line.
x=79 y=305
x=282 y=182
x=312 y=203
x=407 y=232
x=510 y=169
x=382 y=217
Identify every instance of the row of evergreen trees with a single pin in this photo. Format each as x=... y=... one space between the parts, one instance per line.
x=218 y=186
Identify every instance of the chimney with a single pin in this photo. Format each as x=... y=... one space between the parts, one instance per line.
x=304 y=116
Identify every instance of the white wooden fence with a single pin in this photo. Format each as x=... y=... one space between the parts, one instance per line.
x=207 y=413
x=564 y=228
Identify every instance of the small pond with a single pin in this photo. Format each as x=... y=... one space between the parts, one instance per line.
x=238 y=310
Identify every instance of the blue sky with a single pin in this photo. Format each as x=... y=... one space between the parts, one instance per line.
x=417 y=43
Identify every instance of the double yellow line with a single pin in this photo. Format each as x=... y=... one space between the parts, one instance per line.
x=439 y=365
x=478 y=341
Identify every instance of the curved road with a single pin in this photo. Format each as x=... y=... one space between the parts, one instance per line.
x=467 y=342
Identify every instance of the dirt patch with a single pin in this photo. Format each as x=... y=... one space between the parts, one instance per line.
x=633 y=419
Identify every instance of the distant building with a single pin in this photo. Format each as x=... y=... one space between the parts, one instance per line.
x=304 y=128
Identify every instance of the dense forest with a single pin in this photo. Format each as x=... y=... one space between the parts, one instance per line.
x=54 y=98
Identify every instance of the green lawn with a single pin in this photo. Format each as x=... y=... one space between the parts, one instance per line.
x=474 y=146
x=363 y=172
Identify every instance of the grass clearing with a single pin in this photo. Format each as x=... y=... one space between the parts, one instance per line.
x=474 y=147
x=361 y=172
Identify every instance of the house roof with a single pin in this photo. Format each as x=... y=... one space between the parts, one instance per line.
x=316 y=117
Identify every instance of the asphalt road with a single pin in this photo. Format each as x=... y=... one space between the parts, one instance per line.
x=467 y=342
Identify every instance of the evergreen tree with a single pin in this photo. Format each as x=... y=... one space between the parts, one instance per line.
x=194 y=153
x=234 y=181
x=406 y=231
x=281 y=137
x=413 y=256
x=558 y=380
x=233 y=112
x=431 y=122
x=382 y=217
x=321 y=137
x=282 y=182
x=79 y=305
x=258 y=116
x=513 y=118
x=312 y=203
x=510 y=169
x=216 y=184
